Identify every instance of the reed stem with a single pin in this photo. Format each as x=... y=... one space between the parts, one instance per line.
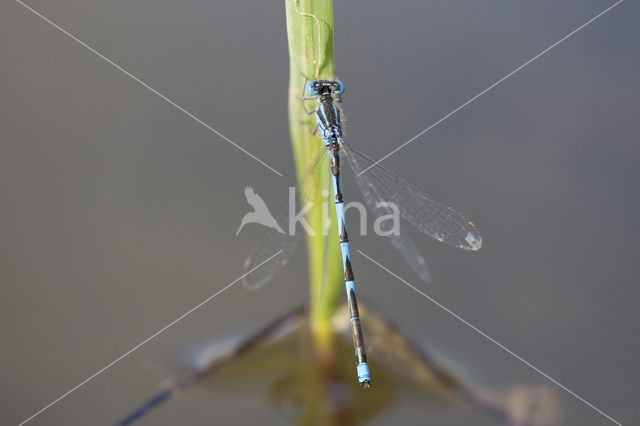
x=310 y=36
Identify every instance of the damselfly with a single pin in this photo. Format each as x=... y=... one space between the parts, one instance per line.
x=329 y=123
x=381 y=188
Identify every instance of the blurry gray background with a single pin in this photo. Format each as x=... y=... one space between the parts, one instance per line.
x=118 y=212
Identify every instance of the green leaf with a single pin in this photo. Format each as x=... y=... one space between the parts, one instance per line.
x=310 y=35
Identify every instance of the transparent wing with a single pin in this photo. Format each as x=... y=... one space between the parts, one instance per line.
x=411 y=255
x=270 y=243
x=273 y=240
x=423 y=211
x=400 y=241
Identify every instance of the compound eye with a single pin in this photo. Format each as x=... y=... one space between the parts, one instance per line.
x=339 y=87
x=312 y=88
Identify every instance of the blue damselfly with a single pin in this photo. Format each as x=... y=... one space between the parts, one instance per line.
x=380 y=188
x=329 y=122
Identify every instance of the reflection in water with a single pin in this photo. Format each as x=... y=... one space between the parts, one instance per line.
x=311 y=390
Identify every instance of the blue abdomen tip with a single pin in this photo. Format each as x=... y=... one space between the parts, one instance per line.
x=363 y=373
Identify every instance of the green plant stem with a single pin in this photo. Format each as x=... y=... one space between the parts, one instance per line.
x=311 y=57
